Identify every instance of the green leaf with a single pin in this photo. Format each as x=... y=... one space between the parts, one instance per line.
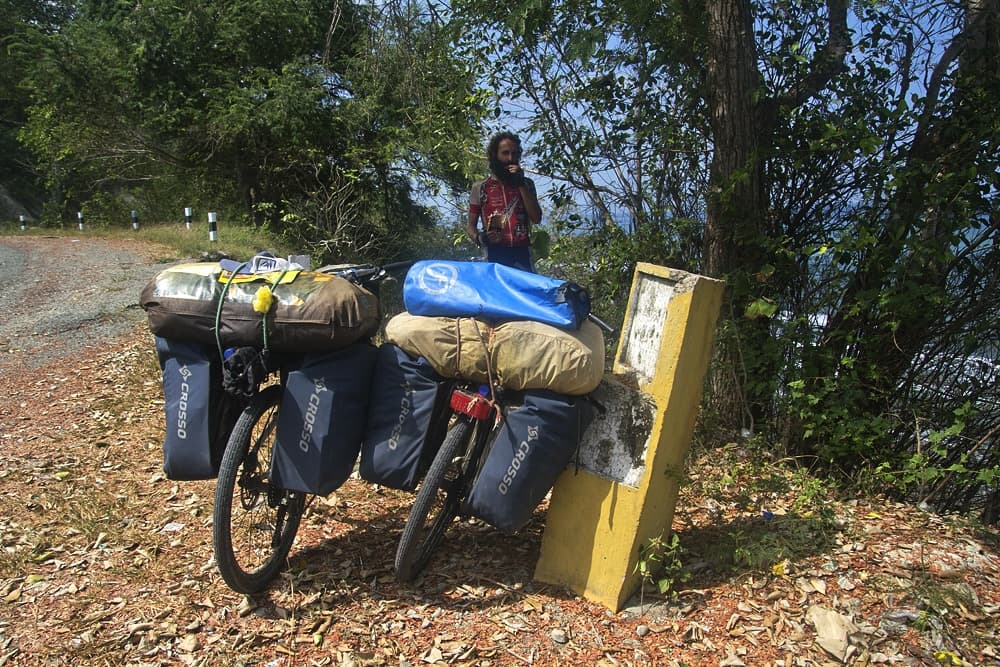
x=762 y=307
x=540 y=242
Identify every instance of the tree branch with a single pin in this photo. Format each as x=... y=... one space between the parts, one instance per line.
x=828 y=61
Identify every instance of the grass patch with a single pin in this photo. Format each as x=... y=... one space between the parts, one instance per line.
x=234 y=241
x=762 y=511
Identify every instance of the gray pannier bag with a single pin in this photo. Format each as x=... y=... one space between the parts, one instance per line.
x=321 y=420
x=534 y=444
x=199 y=413
x=406 y=423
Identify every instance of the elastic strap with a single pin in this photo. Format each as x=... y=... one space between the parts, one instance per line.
x=264 y=315
x=579 y=441
x=486 y=349
x=458 y=346
x=222 y=298
x=218 y=310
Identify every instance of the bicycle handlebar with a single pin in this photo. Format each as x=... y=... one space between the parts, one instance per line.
x=394 y=266
x=358 y=273
x=608 y=329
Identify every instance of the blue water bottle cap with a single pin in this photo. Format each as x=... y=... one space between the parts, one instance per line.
x=228 y=352
x=484 y=390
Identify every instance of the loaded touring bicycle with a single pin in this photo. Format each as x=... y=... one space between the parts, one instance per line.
x=255 y=354
x=273 y=387
x=500 y=362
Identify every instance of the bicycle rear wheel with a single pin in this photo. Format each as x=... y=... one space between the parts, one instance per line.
x=255 y=522
x=436 y=505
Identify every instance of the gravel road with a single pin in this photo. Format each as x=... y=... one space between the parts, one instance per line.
x=61 y=294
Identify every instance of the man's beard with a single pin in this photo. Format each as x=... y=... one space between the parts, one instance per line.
x=499 y=169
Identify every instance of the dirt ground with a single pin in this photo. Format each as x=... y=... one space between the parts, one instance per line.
x=106 y=562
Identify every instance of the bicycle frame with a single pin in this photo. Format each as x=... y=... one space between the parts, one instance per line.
x=483 y=415
x=472 y=420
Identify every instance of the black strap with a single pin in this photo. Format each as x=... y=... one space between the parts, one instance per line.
x=243 y=371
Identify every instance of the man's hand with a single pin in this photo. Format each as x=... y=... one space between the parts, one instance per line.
x=515 y=175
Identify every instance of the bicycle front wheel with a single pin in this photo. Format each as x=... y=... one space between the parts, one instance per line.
x=255 y=522
x=436 y=505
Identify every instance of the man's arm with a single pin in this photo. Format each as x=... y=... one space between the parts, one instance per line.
x=471 y=226
x=530 y=201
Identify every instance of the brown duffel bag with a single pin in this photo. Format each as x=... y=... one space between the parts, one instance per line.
x=532 y=355
x=456 y=348
x=522 y=354
x=313 y=311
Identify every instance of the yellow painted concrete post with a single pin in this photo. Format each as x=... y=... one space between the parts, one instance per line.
x=602 y=515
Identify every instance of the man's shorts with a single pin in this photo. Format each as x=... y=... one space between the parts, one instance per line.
x=518 y=257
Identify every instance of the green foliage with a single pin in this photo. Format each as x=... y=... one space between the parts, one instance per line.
x=769 y=512
x=308 y=118
x=834 y=417
x=19 y=19
x=234 y=240
x=762 y=307
x=603 y=257
x=941 y=458
x=660 y=564
x=586 y=80
x=178 y=242
x=768 y=545
x=868 y=249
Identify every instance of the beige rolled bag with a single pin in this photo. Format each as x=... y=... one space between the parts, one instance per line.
x=522 y=354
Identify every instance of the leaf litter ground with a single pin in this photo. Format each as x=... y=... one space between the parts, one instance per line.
x=106 y=562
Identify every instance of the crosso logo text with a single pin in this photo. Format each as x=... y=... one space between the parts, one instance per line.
x=405 y=407
x=182 y=404
x=515 y=465
x=312 y=409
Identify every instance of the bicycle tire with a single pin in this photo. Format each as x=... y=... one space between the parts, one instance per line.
x=264 y=519
x=435 y=499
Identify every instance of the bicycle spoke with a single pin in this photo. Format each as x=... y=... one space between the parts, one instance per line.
x=435 y=506
x=253 y=534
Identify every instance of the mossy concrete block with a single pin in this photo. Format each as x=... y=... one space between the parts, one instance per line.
x=600 y=516
x=614 y=446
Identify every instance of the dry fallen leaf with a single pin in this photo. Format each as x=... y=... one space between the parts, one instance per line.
x=432 y=655
x=97 y=415
x=833 y=630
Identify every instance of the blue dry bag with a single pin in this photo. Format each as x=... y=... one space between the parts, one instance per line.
x=439 y=288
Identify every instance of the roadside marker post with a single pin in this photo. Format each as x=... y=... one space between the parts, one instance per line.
x=135 y=221
x=213 y=229
x=625 y=492
x=79 y=220
x=24 y=226
x=187 y=217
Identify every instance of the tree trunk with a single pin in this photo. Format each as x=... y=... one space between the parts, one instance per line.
x=737 y=227
x=736 y=204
